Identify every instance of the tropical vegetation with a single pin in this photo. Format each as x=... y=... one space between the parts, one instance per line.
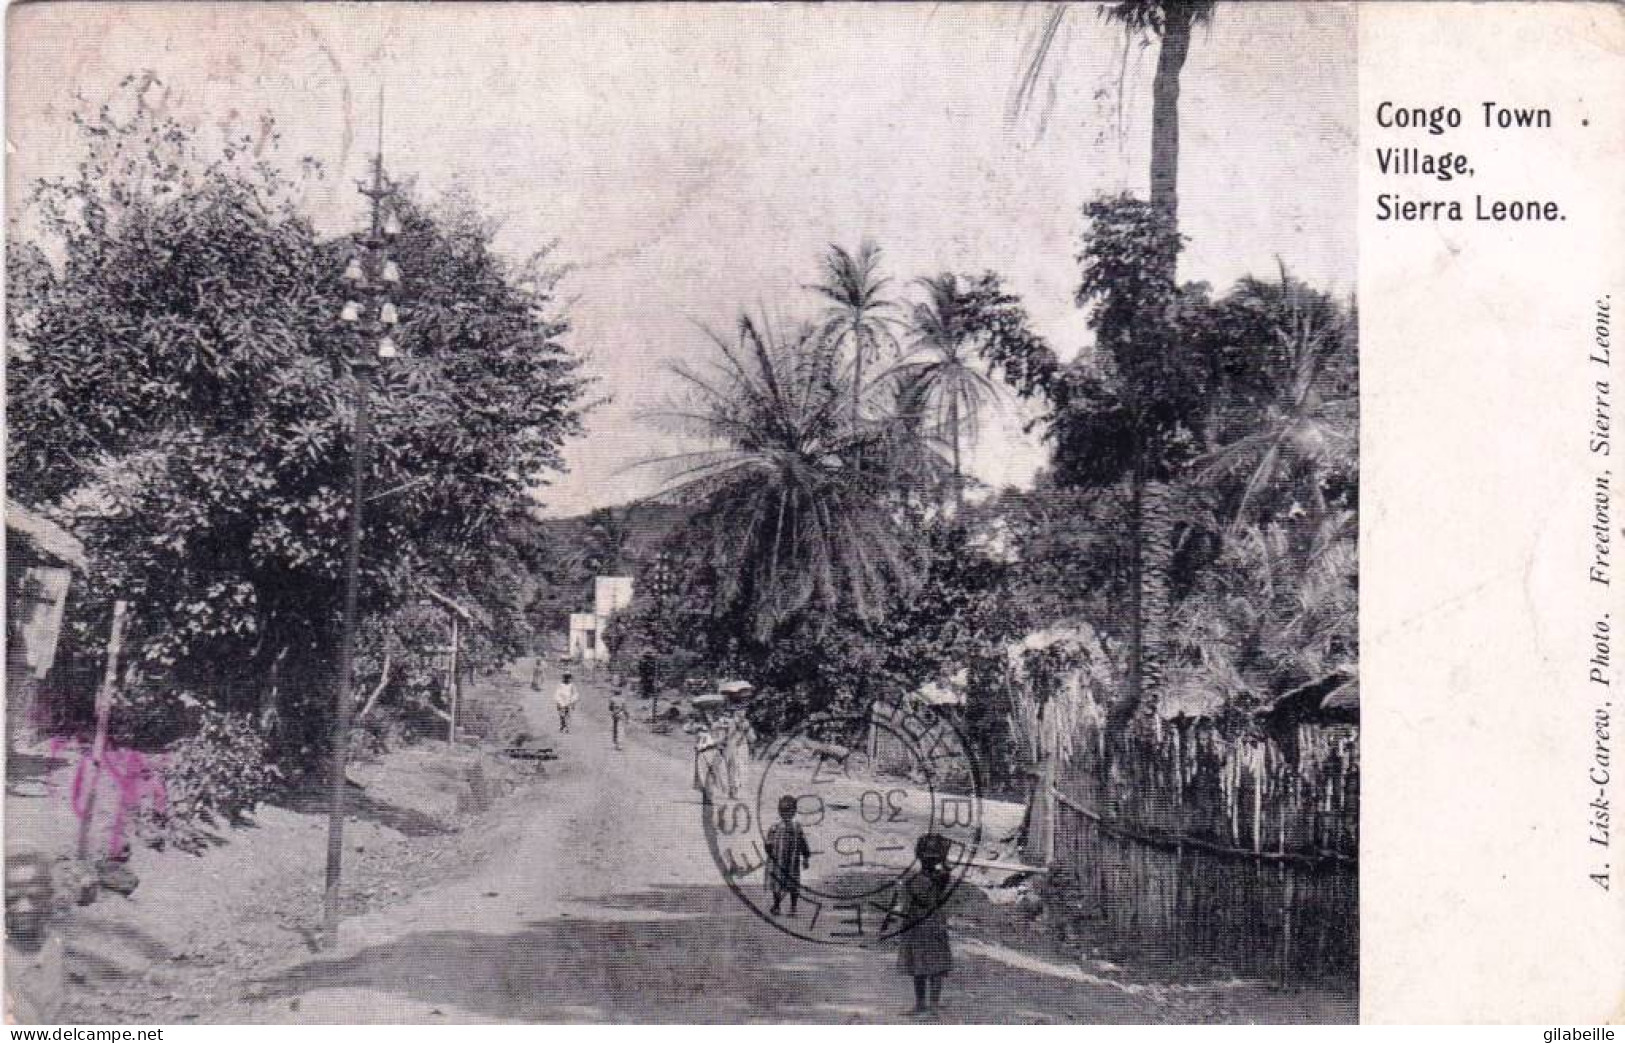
x=176 y=392
x=834 y=556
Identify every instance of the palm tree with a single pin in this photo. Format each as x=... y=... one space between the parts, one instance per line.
x=607 y=539
x=792 y=523
x=1171 y=21
x=1279 y=608
x=1305 y=427
x=859 y=317
x=940 y=376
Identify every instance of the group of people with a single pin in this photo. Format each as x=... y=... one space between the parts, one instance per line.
x=723 y=746
x=565 y=698
x=722 y=749
x=920 y=902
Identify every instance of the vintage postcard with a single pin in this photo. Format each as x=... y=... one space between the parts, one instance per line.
x=859 y=513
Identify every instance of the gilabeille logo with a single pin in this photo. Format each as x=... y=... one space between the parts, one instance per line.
x=1601 y=1034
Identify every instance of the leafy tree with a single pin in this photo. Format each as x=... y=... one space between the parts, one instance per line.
x=1147 y=248
x=1127 y=414
x=1070 y=552
x=174 y=381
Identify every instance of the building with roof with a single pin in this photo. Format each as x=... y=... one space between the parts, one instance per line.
x=41 y=557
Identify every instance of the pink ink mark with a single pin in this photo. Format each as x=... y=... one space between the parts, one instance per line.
x=135 y=777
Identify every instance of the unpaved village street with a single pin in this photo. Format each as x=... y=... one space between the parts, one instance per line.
x=604 y=905
x=589 y=895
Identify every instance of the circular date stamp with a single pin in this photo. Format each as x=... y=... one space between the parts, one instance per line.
x=818 y=846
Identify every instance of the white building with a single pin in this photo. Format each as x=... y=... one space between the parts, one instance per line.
x=586 y=638
x=610 y=594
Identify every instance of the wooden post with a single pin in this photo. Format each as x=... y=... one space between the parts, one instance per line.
x=452 y=686
x=1049 y=781
x=1288 y=897
x=104 y=709
x=1041 y=809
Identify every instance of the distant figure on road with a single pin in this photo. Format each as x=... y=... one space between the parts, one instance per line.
x=787 y=855
x=538 y=667
x=618 y=716
x=921 y=901
x=565 y=699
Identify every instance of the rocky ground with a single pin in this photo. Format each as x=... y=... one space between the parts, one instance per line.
x=181 y=946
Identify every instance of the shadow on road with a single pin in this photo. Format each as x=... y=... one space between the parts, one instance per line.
x=701 y=958
x=361 y=805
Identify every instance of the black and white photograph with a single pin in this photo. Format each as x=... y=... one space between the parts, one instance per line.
x=728 y=513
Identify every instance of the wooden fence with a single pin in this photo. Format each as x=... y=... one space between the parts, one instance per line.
x=1234 y=851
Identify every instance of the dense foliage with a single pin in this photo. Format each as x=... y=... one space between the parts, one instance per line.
x=176 y=385
x=1210 y=441
x=1240 y=413
x=213 y=777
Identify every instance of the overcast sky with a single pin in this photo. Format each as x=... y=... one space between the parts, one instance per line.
x=696 y=160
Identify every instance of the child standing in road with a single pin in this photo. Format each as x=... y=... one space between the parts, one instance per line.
x=564 y=700
x=787 y=855
x=921 y=901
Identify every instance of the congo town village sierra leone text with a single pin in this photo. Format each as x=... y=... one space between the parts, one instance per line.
x=1447 y=166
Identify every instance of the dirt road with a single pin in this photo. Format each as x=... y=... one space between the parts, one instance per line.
x=600 y=902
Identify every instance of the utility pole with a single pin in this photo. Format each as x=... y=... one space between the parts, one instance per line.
x=104 y=709
x=453 y=689
x=371 y=275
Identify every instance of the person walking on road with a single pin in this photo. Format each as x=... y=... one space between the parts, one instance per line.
x=736 y=752
x=564 y=700
x=787 y=855
x=707 y=761
x=618 y=716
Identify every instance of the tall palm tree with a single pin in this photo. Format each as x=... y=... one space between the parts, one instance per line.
x=860 y=317
x=793 y=524
x=941 y=375
x=1171 y=22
